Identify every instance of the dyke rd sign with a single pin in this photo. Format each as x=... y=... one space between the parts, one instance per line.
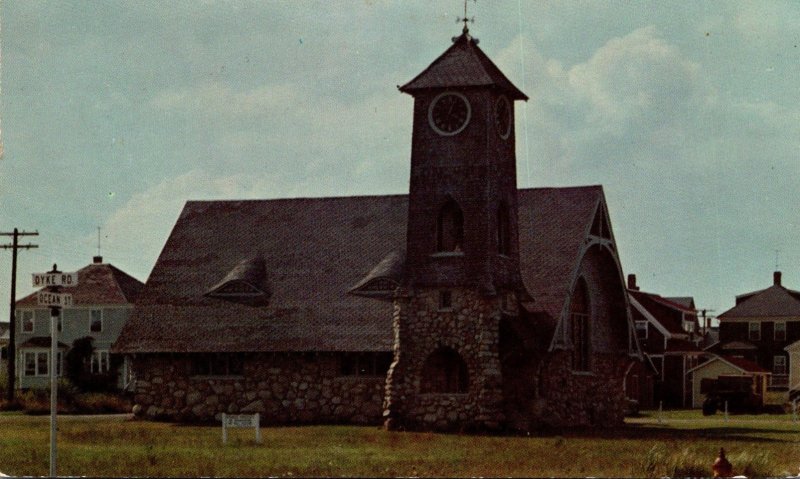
x=41 y=280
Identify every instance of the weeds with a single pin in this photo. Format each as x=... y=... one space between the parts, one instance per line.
x=70 y=401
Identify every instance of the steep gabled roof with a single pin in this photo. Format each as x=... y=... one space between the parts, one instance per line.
x=743 y=365
x=98 y=284
x=775 y=301
x=686 y=302
x=462 y=65
x=553 y=226
x=315 y=251
x=667 y=313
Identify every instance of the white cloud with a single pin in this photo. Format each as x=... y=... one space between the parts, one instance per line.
x=135 y=233
x=638 y=78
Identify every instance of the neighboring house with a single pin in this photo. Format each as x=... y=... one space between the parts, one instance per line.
x=466 y=304
x=102 y=303
x=668 y=331
x=4 y=340
x=728 y=366
x=760 y=328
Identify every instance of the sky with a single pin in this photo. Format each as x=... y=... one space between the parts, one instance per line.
x=114 y=114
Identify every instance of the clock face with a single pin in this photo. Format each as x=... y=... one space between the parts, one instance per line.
x=502 y=117
x=449 y=113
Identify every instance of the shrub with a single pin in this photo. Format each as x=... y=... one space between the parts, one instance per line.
x=101 y=403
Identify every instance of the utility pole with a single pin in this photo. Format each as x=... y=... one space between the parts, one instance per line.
x=12 y=328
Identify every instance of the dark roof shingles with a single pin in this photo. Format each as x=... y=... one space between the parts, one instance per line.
x=314 y=251
x=775 y=301
x=98 y=284
x=463 y=65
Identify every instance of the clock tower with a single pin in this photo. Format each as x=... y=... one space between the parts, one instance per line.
x=462 y=274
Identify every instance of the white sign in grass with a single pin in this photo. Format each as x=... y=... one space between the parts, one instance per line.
x=240 y=421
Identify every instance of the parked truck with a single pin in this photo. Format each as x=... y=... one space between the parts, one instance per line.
x=737 y=391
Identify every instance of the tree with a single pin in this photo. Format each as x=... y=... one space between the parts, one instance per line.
x=78 y=360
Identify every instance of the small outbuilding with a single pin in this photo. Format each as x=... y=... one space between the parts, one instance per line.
x=727 y=367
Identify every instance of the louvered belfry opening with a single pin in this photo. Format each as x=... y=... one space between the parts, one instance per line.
x=450 y=228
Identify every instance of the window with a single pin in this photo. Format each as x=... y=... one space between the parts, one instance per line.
x=217 y=365
x=503 y=231
x=365 y=364
x=96 y=324
x=445 y=300
x=30 y=364
x=780 y=331
x=641 y=329
x=754 y=331
x=508 y=302
x=445 y=372
x=450 y=228
x=27 y=321
x=579 y=325
x=37 y=363
x=779 y=365
x=100 y=362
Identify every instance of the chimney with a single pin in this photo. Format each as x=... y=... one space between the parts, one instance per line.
x=97 y=260
x=632 y=282
x=776 y=278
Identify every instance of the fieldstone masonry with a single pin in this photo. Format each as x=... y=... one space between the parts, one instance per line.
x=283 y=388
x=570 y=398
x=471 y=328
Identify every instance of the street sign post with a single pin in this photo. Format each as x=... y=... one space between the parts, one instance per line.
x=55 y=300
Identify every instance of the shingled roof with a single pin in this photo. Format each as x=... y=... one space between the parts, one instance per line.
x=553 y=226
x=98 y=284
x=668 y=313
x=774 y=302
x=463 y=65
x=315 y=251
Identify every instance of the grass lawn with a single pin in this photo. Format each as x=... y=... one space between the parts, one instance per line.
x=684 y=443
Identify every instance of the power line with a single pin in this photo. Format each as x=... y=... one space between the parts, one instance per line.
x=12 y=352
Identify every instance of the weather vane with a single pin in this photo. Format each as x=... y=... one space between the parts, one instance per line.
x=465 y=18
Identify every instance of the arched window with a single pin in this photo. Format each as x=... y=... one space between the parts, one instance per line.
x=579 y=313
x=450 y=228
x=503 y=230
x=444 y=372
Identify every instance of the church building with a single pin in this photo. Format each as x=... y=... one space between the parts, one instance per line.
x=468 y=304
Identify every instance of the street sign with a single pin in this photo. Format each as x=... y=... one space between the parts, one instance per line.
x=54 y=279
x=61 y=300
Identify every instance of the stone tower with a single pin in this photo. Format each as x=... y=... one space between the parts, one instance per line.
x=462 y=271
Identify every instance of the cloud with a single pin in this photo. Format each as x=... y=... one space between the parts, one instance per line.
x=638 y=78
x=135 y=233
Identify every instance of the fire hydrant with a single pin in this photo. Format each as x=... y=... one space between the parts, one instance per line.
x=722 y=467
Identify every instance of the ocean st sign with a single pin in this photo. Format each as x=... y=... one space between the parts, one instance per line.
x=41 y=280
x=60 y=300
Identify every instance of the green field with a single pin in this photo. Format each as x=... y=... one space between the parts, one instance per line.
x=683 y=444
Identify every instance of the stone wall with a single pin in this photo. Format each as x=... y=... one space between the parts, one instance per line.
x=470 y=328
x=595 y=398
x=283 y=388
